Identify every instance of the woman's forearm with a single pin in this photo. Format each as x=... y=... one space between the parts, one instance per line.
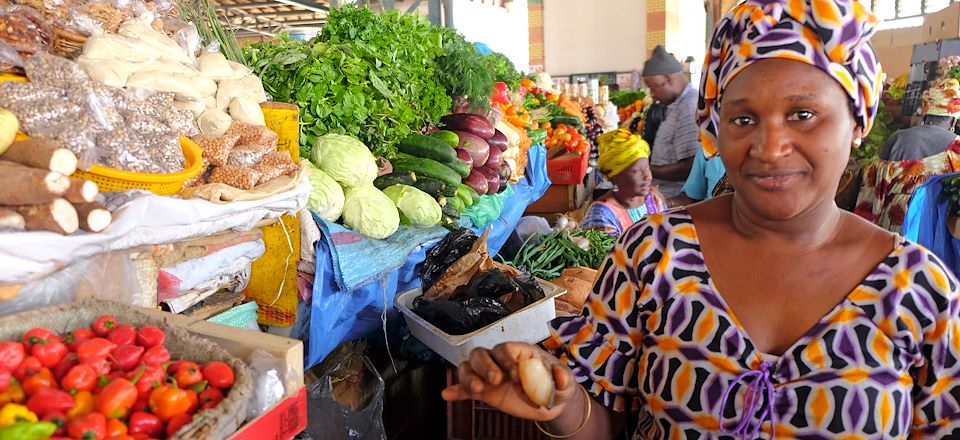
x=602 y=424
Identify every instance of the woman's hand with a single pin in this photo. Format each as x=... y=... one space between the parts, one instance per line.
x=492 y=376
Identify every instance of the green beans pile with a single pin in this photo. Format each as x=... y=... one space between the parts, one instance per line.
x=951 y=186
x=557 y=251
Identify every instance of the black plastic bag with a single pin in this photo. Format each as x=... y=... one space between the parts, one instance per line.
x=455 y=245
x=529 y=287
x=462 y=316
x=492 y=284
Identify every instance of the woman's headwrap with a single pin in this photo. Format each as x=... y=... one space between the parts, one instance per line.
x=618 y=150
x=831 y=35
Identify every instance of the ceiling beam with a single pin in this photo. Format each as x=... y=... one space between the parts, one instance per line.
x=291 y=14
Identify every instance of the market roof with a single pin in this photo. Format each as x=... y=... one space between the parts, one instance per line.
x=269 y=17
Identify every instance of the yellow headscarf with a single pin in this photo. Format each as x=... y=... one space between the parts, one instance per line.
x=618 y=150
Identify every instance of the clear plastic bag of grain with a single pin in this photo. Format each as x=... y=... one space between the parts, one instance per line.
x=273 y=165
x=246 y=156
x=53 y=70
x=216 y=149
x=253 y=134
x=18 y=96
x=237 y=177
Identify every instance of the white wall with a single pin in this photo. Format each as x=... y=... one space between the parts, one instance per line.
x=594 y=36
x=691 y=34
x=503 y=29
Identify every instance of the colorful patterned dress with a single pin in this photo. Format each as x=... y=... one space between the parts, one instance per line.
x=657 y=339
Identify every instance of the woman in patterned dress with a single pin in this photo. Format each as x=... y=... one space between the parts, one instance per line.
x=770 y=312
x=624 y=159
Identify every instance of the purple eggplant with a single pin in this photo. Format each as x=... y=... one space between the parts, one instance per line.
x=499 y=140
x=478 y=148
x=495 y=159
x=493 y=180
x=477 y=181
x=475 y=124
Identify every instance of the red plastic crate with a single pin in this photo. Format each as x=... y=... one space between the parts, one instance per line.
x=473 y=420
x=285 y=420
x=567 y=171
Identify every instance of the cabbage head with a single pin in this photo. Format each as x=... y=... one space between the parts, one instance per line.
x=326 y=197
x=345 y=159
x=370 y=212
x=416 y=207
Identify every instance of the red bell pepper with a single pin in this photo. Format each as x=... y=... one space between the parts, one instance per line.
x=145 y=423
x=124 y=334
x=57 y=418
x=157 y=355
x=126 y=357
x=210 y=398
x=500 y=93
x=28 y=367
x=5 y=377
x=218 y=374
x=194 y=400
x=172 y=367
x=178 y=422
x=66 y=364
x=95 y=350
x=41 y=379
x=77 y=337
x=167 y=401
x=116 y=428
x=151 y=378
x=49 y=400
x=188 y=374
x=80 y=378
x=150 y=336
x=35 y=334
x=49 y=351
x=104 y=324
x=116 y=399
x=92 y=426
x=11 y=354
x=142 y=404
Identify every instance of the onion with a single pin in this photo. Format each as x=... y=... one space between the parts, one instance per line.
x=494 y=159
x=477 y=147
x=498 y=141
x=493 y=180
x=477 y=181
x=536 y=381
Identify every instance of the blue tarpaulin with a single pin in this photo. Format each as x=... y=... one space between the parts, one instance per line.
x=337 y=315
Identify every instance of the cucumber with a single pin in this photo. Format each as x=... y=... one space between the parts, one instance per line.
x=462 y=168
x=421 y=166
x=464 y=195
x=474 y=195
x=428 y=147
x=388 y=180
x=433 y=187
x=456 y=203
x=447 y=136
x=450 y=212
x=568 y=120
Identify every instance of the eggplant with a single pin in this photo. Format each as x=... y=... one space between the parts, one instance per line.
x=499 y=140
x=503 y=185
x=471 y=123
x=478 y=148
x=465 y=156
x=493 y=180
x=477 y=181
x=495 y=159
x=504 y=171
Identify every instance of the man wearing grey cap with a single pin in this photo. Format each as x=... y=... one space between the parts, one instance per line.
x=678 y=138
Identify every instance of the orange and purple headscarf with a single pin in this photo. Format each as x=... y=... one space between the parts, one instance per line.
x=831 y=35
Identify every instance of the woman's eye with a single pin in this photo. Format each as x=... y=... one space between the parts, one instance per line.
x=742 y=121
x=802 y=115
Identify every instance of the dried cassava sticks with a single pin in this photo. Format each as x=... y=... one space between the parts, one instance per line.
x=23 y=185
x=57 y=216
x=43 y=155
x=93 y=217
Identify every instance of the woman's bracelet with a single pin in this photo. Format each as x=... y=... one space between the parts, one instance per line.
x=586 y=418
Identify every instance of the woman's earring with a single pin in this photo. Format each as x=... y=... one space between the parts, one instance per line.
x=857 y=142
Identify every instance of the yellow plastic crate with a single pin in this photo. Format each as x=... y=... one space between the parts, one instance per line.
x=284 y=120
x=112 y=179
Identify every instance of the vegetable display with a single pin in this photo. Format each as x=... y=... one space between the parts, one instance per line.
x=102 y=381
x=554 y=252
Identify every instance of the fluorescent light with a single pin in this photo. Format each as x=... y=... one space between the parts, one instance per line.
x=301 y=5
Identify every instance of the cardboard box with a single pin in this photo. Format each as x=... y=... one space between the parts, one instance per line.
x=282 y=422
x=942 y=25
x=902 y=37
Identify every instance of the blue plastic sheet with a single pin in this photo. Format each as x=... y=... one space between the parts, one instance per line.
x=335 y=316
x=926 y=222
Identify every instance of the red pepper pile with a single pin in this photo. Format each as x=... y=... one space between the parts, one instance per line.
x=112 y=381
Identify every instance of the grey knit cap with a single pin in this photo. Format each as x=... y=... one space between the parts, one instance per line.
x=661 y=63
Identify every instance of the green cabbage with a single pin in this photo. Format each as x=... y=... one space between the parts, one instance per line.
x=345 y=159
x=326 y=198
x=416 y=207
x=370 y=212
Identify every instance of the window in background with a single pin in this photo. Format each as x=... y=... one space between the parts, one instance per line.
x=897 y=9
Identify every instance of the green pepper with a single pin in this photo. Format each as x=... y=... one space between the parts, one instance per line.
x=28 y=431
x=537 y=136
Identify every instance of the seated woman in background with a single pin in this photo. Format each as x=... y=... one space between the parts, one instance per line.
x=767 y=313
x=624 y=159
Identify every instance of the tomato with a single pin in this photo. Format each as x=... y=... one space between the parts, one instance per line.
x=80 y=378
x=77 y=337
x=123 y=334
x=95 y=350
x=49 y=351
x=188 y=374
x=218 y=374
x=92 y=426
x=104 y=324
x=178 y=422
x=11 y=354
x=150 y=336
